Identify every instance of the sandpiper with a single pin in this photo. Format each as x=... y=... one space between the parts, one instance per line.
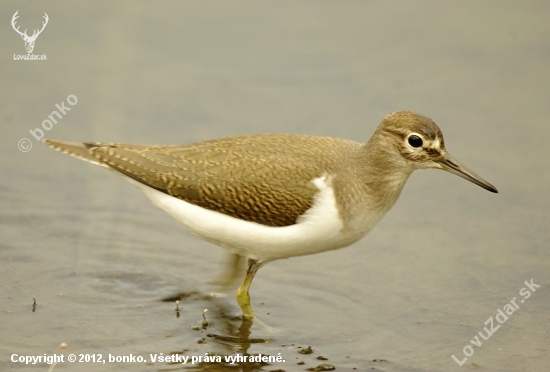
x=272 y=196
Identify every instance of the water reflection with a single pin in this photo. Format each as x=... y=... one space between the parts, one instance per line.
x=234 y=335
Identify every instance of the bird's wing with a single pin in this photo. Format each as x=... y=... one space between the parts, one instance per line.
x=264 y=179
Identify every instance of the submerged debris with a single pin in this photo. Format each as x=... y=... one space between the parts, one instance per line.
x=323 y=367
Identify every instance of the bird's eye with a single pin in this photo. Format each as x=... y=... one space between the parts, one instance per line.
x=415 y=141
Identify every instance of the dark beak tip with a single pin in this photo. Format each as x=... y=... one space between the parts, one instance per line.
x=490 y=188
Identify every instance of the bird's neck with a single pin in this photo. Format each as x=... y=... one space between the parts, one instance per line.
x=382 y=171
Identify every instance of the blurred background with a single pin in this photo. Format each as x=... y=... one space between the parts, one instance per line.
x=99 y=257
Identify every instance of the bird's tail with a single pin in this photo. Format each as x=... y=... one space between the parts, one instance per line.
x=79 y=150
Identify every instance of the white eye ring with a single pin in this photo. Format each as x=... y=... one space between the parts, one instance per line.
x=415 y=140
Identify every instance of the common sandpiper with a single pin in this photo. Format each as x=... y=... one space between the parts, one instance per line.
x=272 y=196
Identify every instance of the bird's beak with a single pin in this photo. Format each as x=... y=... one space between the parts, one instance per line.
x=453 y=166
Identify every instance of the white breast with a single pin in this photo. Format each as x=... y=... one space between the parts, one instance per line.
x=319 y=229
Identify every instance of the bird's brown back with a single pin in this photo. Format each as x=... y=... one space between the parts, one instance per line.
x=259 y=178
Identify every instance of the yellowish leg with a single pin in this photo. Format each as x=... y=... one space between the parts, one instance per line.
x=243 y=298
x=232 y=271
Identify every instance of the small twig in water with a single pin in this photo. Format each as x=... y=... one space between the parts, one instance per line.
x=204 y=321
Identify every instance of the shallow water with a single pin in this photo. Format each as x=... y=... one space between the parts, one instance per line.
x=99 y=258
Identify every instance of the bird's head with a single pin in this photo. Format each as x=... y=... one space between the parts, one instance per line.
x=417 y=142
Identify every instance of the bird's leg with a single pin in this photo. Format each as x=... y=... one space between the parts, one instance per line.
x=232 y=271
x=243 y=298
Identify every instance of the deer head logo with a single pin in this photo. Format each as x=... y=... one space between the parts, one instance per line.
x=29 y=40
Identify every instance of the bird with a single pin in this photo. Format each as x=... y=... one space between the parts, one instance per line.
x=266 y=197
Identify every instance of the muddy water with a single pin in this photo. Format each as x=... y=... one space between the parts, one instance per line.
x=99 y=258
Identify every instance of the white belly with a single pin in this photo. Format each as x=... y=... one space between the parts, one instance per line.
x=319 y=229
